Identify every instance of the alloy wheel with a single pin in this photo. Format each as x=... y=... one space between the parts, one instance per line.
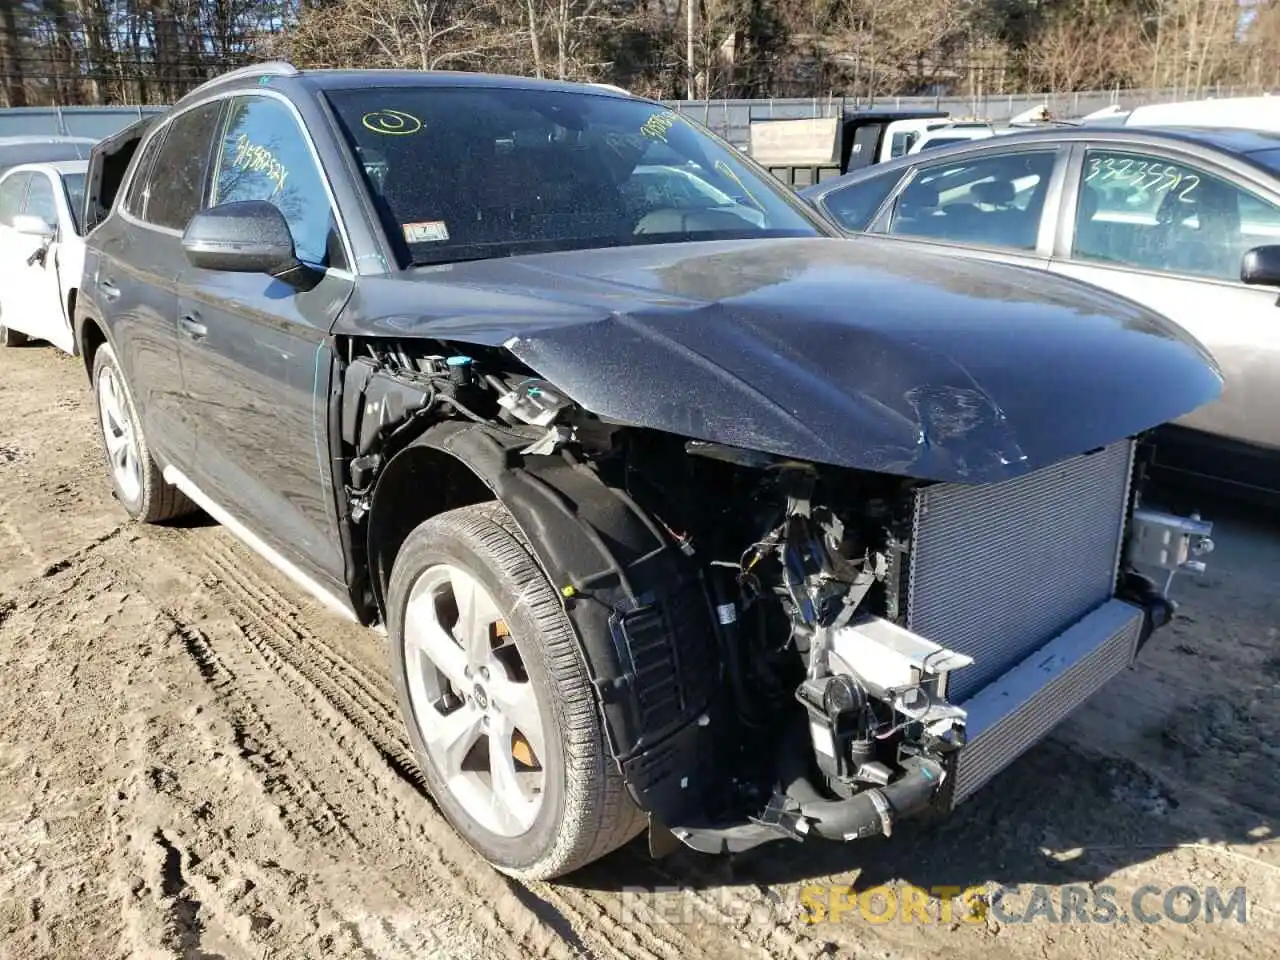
x=119 y=435
x=472 y=701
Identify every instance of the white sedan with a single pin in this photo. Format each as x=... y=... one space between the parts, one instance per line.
x=41 y=251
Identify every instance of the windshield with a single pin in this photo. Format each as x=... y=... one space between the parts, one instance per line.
x=74 y=182
x=467 y=173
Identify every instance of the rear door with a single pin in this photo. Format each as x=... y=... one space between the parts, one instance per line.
x=134 y=269
x=255 y=348
x=1169 y=230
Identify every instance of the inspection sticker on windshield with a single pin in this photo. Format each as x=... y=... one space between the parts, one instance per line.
x=430 y=231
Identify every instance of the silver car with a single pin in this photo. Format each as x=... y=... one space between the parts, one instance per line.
x=1185 y=221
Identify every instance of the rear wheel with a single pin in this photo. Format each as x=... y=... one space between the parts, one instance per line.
x=135 y=477
x=497 y=701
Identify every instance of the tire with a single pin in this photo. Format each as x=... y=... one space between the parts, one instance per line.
x=584 y=810
x=145 y=495
x=11 y=338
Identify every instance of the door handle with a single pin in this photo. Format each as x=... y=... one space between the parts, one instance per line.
x=190 y=324
x=109 y=290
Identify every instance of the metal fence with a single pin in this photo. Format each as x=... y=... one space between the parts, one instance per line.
x=95 y=122
x=732 y=119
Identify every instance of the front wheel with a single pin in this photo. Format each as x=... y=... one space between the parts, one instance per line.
x=497 y=701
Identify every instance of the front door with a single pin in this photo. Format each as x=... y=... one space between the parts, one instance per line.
x=1170 y=234
x=255 y=348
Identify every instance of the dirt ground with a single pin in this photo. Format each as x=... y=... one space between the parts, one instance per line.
x=198 y=761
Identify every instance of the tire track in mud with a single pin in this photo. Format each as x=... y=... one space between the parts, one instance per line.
x=196 y=892
x=247 y=689
x=271 y=619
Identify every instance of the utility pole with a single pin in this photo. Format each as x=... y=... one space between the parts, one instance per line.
x=689 y=90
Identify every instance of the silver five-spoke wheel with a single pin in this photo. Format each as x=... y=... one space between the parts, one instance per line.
x=118 y=433
x=500 y=710
x=472 y=700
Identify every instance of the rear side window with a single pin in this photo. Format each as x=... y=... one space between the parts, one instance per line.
x=853 y=206
x=12 y=190
x=994 y=200
x=177 y=181
x=135 y=199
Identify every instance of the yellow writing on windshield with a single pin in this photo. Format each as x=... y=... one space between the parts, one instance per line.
x=658 y=124
x=395 y=123
x=256 y=158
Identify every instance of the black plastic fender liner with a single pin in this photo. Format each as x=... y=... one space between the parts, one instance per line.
x=639 y=609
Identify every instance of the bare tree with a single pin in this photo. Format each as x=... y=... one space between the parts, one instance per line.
x=15 y=93
x=412 y=34
x=140 y=51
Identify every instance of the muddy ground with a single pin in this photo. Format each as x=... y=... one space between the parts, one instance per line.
x=198 y=761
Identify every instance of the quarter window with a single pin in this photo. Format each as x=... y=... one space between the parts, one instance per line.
x=177 y=180
x=264 y=155
x=12 y=189
x=991 y=201
x=1146 y=211
x=853 y=206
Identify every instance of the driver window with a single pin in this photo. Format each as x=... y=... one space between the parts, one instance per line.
x=990 y=201
x=264 y=155
x=1148 y=212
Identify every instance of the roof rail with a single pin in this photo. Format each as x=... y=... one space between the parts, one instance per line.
x=268 y=68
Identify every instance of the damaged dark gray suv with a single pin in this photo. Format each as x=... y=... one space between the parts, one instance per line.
x=679 y=511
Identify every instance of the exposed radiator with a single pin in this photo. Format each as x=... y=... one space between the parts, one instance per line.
x=1016 y=711
x=998 y=570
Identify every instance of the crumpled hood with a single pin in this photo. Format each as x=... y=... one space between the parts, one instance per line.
x=853 y=353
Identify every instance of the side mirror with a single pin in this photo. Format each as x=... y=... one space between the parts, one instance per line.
x=1261 y=266
x=250 y=236
x=30 y=225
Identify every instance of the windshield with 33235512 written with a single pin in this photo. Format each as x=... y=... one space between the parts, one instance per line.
x=464 y=173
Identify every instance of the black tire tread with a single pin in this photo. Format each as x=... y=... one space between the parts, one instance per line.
x=11 y=338
x=599 y=814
